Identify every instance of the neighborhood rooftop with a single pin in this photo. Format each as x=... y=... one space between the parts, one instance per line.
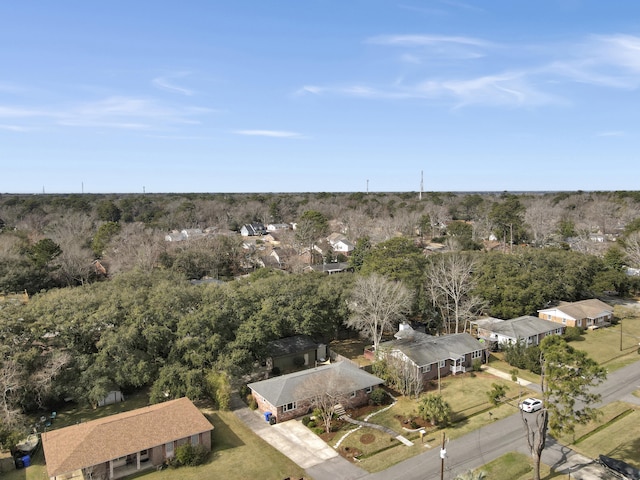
x=91 y=443
x=424 y=349
x=521 y=327
x=282 y=390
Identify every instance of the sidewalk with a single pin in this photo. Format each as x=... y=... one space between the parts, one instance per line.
x=500 y=374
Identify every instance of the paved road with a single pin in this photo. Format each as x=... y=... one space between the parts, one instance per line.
x=507 y=435
x=465 y=453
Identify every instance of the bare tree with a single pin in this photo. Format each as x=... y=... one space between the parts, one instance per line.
x=42 y=379
x=450 y=282
x=135 y=247
x=324 y=391
x=11 y=384
x=632 y=249
x=376 y=305
x=402 y=374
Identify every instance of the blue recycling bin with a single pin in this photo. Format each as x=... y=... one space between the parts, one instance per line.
x=267 y=416
x=26 y=461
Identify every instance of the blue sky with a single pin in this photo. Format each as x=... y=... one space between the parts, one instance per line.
x=319 y=95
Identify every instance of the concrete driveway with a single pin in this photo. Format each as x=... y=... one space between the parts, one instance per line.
x=300 y=444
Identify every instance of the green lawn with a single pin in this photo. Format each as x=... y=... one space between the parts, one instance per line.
x=615 y=434
x=515 y=466
x=603 y=345
x=469 y=402
x=237 y=453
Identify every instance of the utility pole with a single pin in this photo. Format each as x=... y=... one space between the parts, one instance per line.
x=367 y=186
x=443 y=454
x=620 y=334
x=421 y=184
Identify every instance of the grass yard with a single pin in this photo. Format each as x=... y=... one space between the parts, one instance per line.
x=353 y=349
x=237 y=453
x=603 y=344
x=515 y=466
x=618 y=437
x=468 y=399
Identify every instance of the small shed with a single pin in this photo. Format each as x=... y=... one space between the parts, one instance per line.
x=114 y=396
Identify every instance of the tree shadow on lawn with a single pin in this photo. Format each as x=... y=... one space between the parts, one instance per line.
x=222 y=437
x=628 y=452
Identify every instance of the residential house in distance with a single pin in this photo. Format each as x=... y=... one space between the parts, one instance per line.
x=274 y=227
x=433 y=356
x=589 y=314
x=527 y=328
x=299 y=351
x=120 y=445
x=285 y=397
x=253 y=229
x=340 y=243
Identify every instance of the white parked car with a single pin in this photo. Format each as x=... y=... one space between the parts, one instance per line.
x=531 y=405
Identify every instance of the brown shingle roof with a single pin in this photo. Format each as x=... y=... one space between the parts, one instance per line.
x=592 y=308
x=91 y=443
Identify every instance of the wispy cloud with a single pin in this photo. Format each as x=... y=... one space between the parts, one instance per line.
x=611 y=133
x=510 y=76
x=112 y=112
x=268 y=133
x=426 y=40
x=166 y=83
x=14 y=128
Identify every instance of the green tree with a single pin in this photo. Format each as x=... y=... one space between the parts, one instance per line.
x=497 y=393
x=397 y=259
x=108 y=211
x=103 y=236
x=311 y=227
x=508 y=219
x=43 y=252
x=360 y=251
x=566 y=378
x=433 y=408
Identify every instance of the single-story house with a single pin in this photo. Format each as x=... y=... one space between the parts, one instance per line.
x=331 y=267
x=294 y=353
x=527 y=328
x=592 y=313
x=273 y=227
x=284 y=397
x=432 y=355
x=119 y=445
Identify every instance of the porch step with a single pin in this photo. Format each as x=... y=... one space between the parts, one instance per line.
x=339 y=410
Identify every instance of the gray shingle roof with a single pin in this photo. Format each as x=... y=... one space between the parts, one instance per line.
x=521 y=327
x=423 y=349
x=285 y=389
x=290 y=345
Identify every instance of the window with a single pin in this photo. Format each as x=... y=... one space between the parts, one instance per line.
x=168 y=449
x=425 y=369
x=353 y=394
x=548 y=316
x=477 y=354
x=195 y=439
x=564 y=320
x=289 y=406
x=442 y=364
x=369 y=389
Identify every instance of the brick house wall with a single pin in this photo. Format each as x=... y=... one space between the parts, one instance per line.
x=304 y=408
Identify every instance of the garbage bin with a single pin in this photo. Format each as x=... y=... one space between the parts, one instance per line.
x=267 y=416
x=26 y=461
x=272 y=420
